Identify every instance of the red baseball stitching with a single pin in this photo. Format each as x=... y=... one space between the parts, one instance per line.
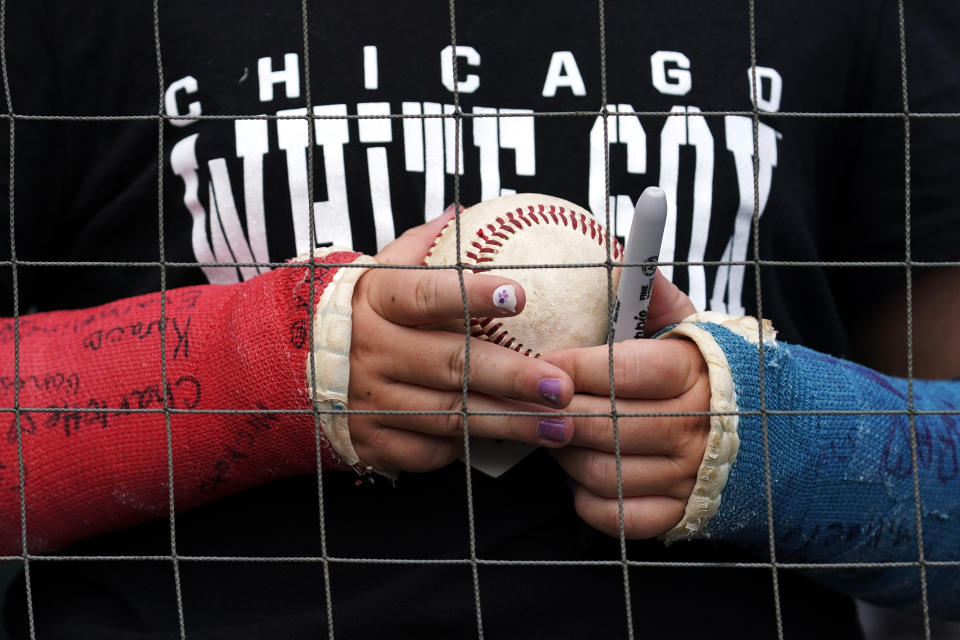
x=491 y=238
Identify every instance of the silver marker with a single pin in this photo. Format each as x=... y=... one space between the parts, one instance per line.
x=643 y=247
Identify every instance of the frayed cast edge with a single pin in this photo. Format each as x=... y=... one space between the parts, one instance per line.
x=722 y=441
x=332 y=332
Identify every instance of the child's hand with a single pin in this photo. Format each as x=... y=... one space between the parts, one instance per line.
x=397 y=365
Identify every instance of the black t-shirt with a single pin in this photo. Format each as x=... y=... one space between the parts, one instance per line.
x=827 y=187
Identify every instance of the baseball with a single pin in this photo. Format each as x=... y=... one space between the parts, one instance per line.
x=566 y=307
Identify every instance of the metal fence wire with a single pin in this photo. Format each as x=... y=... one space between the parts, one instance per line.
x=472 y=560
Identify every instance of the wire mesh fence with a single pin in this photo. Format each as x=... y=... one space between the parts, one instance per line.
x=455 y=119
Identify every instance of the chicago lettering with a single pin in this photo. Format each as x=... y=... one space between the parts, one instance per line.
x=433 y=147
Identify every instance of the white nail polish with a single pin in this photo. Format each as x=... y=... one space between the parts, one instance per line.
x=505 y=297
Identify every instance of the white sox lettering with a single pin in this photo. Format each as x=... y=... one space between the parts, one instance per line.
x=432 y=147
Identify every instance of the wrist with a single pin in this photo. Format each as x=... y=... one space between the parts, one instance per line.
x=327 y=369
x=734 y=466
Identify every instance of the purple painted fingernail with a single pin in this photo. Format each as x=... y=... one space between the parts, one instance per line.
x=550 y=390
x=551 y=429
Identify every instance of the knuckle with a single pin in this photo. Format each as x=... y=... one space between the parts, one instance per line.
x=451 y=421
x=372 y=445
x=597 y=429
x=611 y=519
x=634 y=526
x=695 y=372
x=657 y=435
x=630 y=364
x=511 y=372
x=679 y=450
x=681 y=471
x=691 y=439
x=623 y=366
x=378 y=438
x=426 y=294
x=456 y=364
x=516 y=378
x=596 y=472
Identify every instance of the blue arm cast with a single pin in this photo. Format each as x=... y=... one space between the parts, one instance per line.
x=843 y=484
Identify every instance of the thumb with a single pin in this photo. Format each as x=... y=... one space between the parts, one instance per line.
x=412 y=245
x=668 y=304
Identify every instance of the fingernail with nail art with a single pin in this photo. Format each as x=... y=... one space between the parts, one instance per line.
x=505 y=297
x=551 y=429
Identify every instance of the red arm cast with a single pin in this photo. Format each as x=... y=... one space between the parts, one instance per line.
x=235 y=347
